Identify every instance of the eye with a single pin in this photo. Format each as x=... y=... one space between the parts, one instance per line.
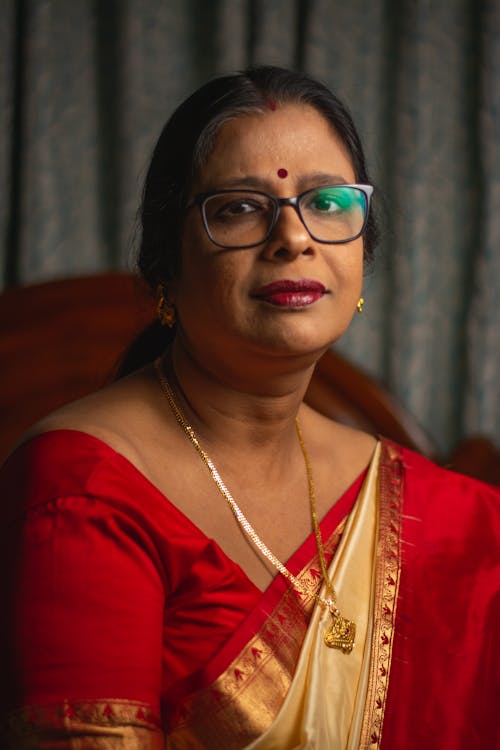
x=226 y=208
x=332 y=200
x=238 y=207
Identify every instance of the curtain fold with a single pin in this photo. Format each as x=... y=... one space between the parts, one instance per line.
x=86 y=86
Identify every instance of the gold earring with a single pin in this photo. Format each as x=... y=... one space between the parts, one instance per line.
x=165 y=309
x=359 y=306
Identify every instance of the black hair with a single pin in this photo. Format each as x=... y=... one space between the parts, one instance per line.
x=186 y=142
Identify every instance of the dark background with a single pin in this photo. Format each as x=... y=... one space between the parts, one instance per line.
x=86 y=85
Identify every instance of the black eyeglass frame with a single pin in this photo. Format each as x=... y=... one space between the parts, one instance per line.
x=201 y=198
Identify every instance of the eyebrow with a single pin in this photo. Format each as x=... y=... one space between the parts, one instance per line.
x=312 y=179
x=321 y=178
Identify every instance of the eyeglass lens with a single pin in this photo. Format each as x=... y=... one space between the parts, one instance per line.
x=331 y=214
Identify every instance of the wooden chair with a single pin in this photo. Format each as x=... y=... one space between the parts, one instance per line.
x=62 y=339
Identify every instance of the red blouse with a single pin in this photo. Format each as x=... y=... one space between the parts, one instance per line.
x=117 y=593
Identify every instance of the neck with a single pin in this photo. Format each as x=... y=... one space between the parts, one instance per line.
x=250 y=407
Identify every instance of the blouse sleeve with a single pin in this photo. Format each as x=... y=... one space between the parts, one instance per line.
x=85 y=601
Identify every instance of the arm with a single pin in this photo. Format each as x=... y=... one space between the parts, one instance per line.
x=85 y=622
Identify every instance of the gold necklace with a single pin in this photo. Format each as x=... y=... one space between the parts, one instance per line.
x=341 y=632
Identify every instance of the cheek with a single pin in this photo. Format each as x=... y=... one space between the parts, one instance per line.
x=346 y=263
x=211 y=279
x=195 y=263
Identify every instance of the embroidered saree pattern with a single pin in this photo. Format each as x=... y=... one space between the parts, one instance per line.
x=243 y=701
x=325 y=703
x=240 y=708
x=87 y=725
x=388 y=572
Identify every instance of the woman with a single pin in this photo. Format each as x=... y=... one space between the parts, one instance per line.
x=153 y=516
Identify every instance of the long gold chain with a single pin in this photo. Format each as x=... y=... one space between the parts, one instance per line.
x=341 y=632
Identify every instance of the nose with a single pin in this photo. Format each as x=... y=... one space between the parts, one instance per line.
x=289 y=237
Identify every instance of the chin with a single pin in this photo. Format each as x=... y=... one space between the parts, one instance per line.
x=302 y=330
x=296 y=343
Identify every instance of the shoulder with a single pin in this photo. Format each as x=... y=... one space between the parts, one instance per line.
x=424 y=476
x=126 y=416
x=91 y=448
x=69 y=485
x=68 y=463
x=442 y=505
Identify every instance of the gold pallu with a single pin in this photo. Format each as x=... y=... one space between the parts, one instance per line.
x=329 y=699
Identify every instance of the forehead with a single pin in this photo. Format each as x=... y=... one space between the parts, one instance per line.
x=296 y=138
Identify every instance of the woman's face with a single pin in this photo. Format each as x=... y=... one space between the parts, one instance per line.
x=221 y=297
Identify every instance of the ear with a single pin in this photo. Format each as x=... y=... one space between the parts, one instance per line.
x=167 y=287
x=165 y=307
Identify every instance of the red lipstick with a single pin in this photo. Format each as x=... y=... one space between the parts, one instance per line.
x=287 y=293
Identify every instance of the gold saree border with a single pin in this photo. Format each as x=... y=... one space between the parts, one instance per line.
x=246 y=697
x=391 y=488
x=88 y=723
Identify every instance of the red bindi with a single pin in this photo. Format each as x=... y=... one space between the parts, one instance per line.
x=282 y=173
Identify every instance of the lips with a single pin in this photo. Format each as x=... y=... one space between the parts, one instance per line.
x=287 y=293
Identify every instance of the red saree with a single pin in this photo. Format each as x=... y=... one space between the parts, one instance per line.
x=129 y=626
x=122 y=605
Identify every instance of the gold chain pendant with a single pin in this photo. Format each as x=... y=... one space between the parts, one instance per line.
x=341 y=633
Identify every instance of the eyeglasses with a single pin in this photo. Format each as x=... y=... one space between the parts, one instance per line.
x=332 y=214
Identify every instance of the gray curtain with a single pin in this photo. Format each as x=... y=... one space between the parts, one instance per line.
x=86 y=85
